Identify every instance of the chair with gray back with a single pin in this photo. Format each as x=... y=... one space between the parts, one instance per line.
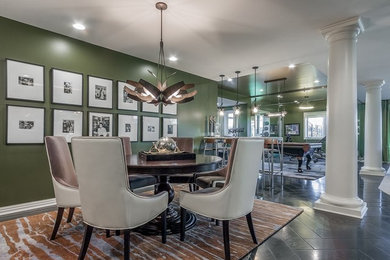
x=106 y=198
x=236 y=198
x=138 y=182
x=185 y=144
x=63 y=177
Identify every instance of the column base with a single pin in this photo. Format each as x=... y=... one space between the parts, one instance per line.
x=356 y=209
x=372 y=171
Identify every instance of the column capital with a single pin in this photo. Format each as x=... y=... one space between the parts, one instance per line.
x=373 y=84
x=345 y=29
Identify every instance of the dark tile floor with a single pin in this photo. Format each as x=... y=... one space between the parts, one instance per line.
x=321 y=235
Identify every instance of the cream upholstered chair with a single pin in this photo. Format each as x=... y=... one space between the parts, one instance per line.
x=106 y=198
x=236 y=198
x=63 y=177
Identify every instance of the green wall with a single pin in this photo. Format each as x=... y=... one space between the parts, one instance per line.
x=24 y=173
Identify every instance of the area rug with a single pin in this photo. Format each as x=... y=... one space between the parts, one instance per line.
x=290 y=169
x=28 y=237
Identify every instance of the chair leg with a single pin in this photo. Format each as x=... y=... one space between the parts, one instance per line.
x=86 y=239
x=117 y=232
x=164 y=226
x=108 y=233
x=60 y=212
x=190 y=187
x=70 y=215
x=183 y=212
x=226 y=242
x=217 y=222
x=126 y=246
x=251 y=229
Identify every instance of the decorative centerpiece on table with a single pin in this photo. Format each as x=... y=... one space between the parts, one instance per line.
x=165 y=149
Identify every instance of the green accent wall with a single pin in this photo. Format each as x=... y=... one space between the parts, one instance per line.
x=24 y=172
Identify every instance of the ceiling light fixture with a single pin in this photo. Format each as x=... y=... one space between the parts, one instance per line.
x=306 y=105
x=316 y=81
x=230 y=79
x=291 y=66
x=255 y=107
x=220 y=108
x=79 y=26
x=147 y=92
x=236 y=108
x=173 y=58
x=276 y=114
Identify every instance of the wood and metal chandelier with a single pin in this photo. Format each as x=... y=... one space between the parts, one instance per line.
x=162 y=93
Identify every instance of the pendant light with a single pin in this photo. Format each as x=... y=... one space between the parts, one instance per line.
x=236 y=108
x=220 y=108
x=306 y=105
x=161 y=92
x=255 y=108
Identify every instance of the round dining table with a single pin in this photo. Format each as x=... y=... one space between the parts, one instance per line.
x=162 y=170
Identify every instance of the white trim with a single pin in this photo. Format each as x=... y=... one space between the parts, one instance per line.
x=27 y=209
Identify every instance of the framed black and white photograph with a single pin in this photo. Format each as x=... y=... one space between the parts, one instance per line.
x=25 y=81
x=99 y=92
x=150 y=128
x=292 y=129
x=146 y=107
x=169 y=109
x=100 y=124
x=128 y=126
x=25 y=125
x=67 y=87
x=67 y=123
x=124 y=100
x=169 y=127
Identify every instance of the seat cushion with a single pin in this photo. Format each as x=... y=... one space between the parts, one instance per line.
x=141 y=180
x=207 y=181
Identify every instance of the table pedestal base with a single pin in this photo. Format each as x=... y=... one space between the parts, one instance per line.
x=173 y=222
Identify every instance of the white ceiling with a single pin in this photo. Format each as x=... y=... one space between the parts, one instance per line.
x=211 y=37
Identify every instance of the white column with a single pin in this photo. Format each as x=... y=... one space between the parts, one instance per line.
x=341 y=141
x=373 y=129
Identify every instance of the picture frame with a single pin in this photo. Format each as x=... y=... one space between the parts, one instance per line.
x=67 y=123
x=150 y=128
x=124 y=101
x=99 y=92
x=66 y=87
x=292 y=129
x=25 y=125
x=146 y=107
x=169 y=127
x=25 y=81
x=100 y=124
x=128 y=126
x=170 y=109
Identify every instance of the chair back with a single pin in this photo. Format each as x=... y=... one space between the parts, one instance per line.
x=60 y=161
x=185 y=144
x=126 y=145
x=242 y=173
x=104 y=189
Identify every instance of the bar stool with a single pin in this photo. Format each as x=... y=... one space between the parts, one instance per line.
x=210 y=144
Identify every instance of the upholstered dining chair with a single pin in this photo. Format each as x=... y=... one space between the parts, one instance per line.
x=106 y=198
x=138 y=182
x=63 y=177
x=185 y=144
x=236 y=198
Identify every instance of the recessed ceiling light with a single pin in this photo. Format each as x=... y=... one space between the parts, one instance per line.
x=291 y=66
x=79 y=26
x=229 y=79
x=316 y=81
x=296 y=101
x=173 y=58
x=279 y=96
x=261 y=90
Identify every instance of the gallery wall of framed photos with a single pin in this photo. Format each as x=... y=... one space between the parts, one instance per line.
x=62 y=92
x=25 y=125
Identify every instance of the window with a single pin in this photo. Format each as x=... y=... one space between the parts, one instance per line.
x=228 y=122
x=315 y=125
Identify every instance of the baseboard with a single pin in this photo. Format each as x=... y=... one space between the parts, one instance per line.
x=27 y=209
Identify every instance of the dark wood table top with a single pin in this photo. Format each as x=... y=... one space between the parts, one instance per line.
x=202 y=163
